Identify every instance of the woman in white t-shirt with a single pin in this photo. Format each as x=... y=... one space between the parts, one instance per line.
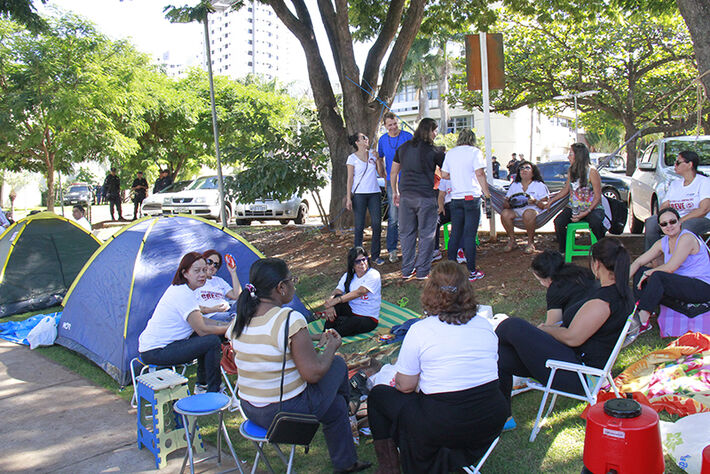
x=525 y=199
x=689 y=195
x=270 y=339
x=446 y=406
x=177 y=332
x=354 y=306
x=213 y=296
x=364 y=191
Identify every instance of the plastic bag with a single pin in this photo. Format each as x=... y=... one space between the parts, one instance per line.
x=43 y=334
x=384 y=377
x=685 y=440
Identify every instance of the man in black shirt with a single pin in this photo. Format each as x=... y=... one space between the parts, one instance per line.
x=112 y=190
x=162 y=182
x=140 y=189
x=513 y=166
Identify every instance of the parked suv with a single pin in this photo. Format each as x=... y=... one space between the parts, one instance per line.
x=79 y=193
x=201 y=198
x=654 y=173
x=554 y=173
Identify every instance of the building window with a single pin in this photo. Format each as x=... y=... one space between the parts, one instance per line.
x=249 y=31
x=250 y=20
x=250 y=52
x=249 y=63
x=407 y=93
x=250 y=42
x=456 y=124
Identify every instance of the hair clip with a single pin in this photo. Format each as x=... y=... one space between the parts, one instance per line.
x=449 y=289
x=251 y=289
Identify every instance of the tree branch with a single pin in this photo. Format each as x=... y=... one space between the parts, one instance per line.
x=378 y=50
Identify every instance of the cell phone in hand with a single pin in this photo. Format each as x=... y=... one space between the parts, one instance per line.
x=231 y=263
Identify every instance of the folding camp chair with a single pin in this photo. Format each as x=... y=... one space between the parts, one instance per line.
x=591 y=378
x=477 y=468
x=257 y=435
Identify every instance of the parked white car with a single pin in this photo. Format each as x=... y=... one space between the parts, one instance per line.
x=153 y=204
x=200 y=198
x=654 y=173
x=295 y=209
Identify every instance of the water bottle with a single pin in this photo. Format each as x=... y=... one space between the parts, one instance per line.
x=575 y=208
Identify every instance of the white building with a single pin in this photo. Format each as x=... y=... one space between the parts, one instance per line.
x=247 y=41
x=523 y=130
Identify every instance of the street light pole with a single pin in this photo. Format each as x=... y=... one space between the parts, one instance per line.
x=575 y=96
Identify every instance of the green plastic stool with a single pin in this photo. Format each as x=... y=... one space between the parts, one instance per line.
x=573 y=250
x=447 y=228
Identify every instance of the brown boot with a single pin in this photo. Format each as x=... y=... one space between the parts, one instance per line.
x=387 y=457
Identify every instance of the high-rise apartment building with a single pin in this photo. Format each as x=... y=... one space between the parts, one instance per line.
x=246 y=41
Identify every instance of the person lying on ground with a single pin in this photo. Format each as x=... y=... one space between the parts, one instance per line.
x=313 y=383
x=587 y=335
x=354 y=306
x=526 y=197
x=685 y=273
x=177 y=333
x=213 y=296
x=447 y=397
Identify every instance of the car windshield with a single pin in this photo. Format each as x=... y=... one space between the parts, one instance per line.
x=673 y=147
x=176 y=187
x=78 y=189
x=206 y=182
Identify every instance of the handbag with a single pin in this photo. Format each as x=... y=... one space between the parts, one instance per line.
x=288 y=427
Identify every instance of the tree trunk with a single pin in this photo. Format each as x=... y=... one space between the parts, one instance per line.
x=443 y=91
x=50 y=182
x=630 y=150
x=696 y=14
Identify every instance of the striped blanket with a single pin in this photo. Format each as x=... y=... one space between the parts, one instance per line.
x=390 y=315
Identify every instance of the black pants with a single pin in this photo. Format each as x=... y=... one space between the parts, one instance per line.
x=206 y=349
x=438 y=432
x=595 y=219
x=669 y=285
x=136 y=206
x=115 y=201
x=443 y=219
x=349 y=324
x=524 y=349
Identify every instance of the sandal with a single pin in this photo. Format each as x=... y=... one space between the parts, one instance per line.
x=529 y=248
x=510 y=247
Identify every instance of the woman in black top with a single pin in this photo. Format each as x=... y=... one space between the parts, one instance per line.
x=566 y=283
x=588 y=332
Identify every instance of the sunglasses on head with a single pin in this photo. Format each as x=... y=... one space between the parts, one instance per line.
x=360 y=260
x=671 y=222
x=212 y=263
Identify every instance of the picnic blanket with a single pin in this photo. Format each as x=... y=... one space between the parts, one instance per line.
x=390 y=315
x=17 y=331
x=676 y=378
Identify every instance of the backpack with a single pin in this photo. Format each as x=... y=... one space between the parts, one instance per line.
x=615 y=214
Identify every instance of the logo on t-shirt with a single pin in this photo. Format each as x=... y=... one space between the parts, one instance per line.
x=210 y=295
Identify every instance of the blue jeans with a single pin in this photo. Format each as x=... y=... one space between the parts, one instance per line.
x=392 y=221
x=206 y=349
x=465 y=216
x=361 y=204
x=328 y=401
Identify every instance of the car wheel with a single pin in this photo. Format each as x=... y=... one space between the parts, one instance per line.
x=635 y=225
x=611 y=193
x=302 y=214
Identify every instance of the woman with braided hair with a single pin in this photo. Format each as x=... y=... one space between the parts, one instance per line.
x=446 y=407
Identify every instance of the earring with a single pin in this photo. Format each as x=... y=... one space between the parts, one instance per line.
x=283 y=294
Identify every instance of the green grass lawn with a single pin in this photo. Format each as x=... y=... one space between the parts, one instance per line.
x=558 y=447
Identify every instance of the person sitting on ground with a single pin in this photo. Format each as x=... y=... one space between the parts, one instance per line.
x=584 y=185
x=446 y=406
x=354 y=306
x=689 y=195
x=213 y=296
x=685 y=273
x=77 y=213
x=587 y=335
x=566 y=283
x=177 y=333
x=526 y=197
x=314 y=383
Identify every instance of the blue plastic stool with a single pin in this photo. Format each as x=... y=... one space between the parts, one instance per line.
x=571 y=248
x=204 y=404
x=257 y=435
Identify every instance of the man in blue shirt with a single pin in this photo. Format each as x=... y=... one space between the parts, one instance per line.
x=386 y=148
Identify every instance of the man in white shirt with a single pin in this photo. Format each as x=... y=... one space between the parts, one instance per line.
x=78 y=214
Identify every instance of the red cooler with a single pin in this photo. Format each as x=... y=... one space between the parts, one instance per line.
x=623 y=437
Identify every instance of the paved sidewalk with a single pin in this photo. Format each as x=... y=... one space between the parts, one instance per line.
x=56 y=421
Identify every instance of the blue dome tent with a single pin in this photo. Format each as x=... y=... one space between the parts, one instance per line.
x=114 y=296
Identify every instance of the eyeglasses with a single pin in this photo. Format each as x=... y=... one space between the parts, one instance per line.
x=292 y=279
x=679 y=162
x=526 y=167
x=669 y=222
x=360 y=260
x=212 y=263
x=363 y=137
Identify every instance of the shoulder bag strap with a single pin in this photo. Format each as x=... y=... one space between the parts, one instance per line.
x=283 y=365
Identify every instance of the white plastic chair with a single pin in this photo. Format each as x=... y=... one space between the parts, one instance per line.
x=477 y=468
x=591 y=378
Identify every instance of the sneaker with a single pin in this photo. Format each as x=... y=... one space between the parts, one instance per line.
x=436 y=256
x=200 y=388
x=425 y=277
x=460 y=257
x=393 y=256
x=645 y=327
x=476 y=275
x=410 y=275
x=379 y=261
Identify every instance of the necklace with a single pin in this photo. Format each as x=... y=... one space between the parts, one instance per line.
x=396 y=142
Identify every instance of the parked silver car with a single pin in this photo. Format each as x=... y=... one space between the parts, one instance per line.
x=201 y=198
x=295 y=209
x=153 y=204
x=654 y=173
